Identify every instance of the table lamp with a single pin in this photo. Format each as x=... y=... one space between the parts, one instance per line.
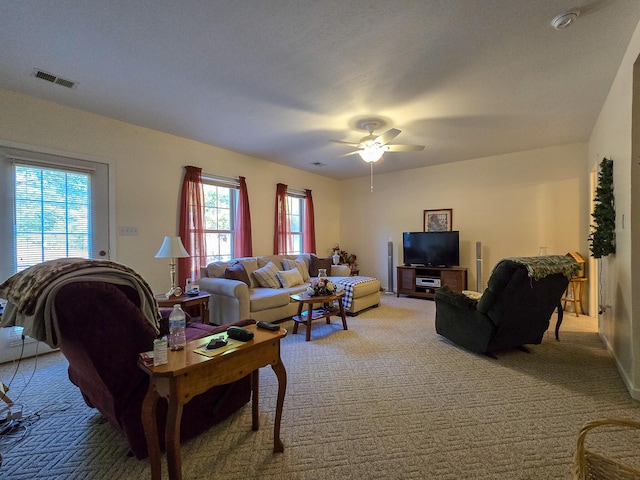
x=172 y=248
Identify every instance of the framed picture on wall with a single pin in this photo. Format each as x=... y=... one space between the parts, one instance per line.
x=438 y=220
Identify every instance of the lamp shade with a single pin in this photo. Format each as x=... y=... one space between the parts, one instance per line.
x=371 y=153
x=172 y=247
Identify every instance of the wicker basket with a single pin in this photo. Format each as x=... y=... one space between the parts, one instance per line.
x=588 y=465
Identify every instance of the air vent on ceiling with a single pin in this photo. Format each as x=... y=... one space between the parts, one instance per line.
x=50 y=77
x=319 y=164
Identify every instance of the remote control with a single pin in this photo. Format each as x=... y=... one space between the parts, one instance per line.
x=268 y=326
x=216 y=343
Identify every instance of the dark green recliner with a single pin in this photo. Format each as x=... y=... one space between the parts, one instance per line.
x=514 y=310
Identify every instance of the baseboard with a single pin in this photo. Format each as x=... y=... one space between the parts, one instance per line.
x=633 y=391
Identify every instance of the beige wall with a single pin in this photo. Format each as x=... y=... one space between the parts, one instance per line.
x=612 y=138
x=513 y=204
x=147 y=172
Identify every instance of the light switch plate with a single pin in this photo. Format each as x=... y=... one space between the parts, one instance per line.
x=129 y=231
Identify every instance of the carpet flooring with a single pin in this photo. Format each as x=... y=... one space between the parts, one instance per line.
x=387 y=399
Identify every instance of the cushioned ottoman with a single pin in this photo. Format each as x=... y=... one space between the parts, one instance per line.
x=361 y=293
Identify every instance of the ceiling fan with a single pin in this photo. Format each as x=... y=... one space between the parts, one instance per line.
x=371 y=147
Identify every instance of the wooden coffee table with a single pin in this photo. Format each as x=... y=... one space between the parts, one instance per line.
x=189 y=374
x=326 y=311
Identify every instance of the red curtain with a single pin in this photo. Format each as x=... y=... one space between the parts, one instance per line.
x=242 y=244
x=282 y=243
x=191 y=227
x=309 y=228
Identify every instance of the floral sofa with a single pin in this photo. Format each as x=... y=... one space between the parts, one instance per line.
x=260 y=287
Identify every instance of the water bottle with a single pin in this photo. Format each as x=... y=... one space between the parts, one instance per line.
x=177 y=325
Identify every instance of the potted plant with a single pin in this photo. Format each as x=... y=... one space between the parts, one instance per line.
x=343 y=257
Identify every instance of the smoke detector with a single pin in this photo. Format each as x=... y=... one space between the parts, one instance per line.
x=563 y=20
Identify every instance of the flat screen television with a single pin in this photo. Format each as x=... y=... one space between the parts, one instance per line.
x=431 y=249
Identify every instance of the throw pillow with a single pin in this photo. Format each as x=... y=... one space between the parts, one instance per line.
x=237 y=272
x=304 y=259
x=250 y=265
x=317 y=263
x=300 y=265
x=290 y=278
x=267 y=276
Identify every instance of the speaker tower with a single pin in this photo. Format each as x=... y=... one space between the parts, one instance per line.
x=479 y=267
x=389 y=267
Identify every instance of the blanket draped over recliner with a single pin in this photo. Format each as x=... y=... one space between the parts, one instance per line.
x=544 y=265
x=103 y=315
x=31 y=293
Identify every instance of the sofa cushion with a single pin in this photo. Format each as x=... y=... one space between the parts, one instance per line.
x=298 y=264
x=267 y=276
x=217 y=269
x=316 y=263
x=237 y=272
x=275 y=259
x=289 y=278
x=265 y=298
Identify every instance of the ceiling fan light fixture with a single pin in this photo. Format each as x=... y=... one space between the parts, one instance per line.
x=371 y=153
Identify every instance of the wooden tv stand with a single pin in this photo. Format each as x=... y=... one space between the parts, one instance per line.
x=453 y=277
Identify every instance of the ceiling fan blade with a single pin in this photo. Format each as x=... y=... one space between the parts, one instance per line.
x=347 y=154
x=351 y=144
x=387 y=136
x=404 y=148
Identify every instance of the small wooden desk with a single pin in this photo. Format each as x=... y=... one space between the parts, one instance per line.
x=185 y=301
x=310 y=315
x=188 y=374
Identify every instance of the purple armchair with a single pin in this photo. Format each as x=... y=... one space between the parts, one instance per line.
x=102 y=331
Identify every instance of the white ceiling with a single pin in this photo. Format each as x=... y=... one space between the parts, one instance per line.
x=277 y=79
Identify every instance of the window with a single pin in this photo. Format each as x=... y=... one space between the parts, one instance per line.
x=51 y=207
x=289 y=224
x=219 y=215
x=295 y=206
x=52 y=214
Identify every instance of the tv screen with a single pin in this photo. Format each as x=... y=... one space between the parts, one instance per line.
x=431 y=249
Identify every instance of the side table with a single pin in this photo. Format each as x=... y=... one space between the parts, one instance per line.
x=185 y=301
x=188 y=374
x=326 y=311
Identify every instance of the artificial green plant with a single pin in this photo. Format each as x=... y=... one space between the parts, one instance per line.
x=602 y=240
